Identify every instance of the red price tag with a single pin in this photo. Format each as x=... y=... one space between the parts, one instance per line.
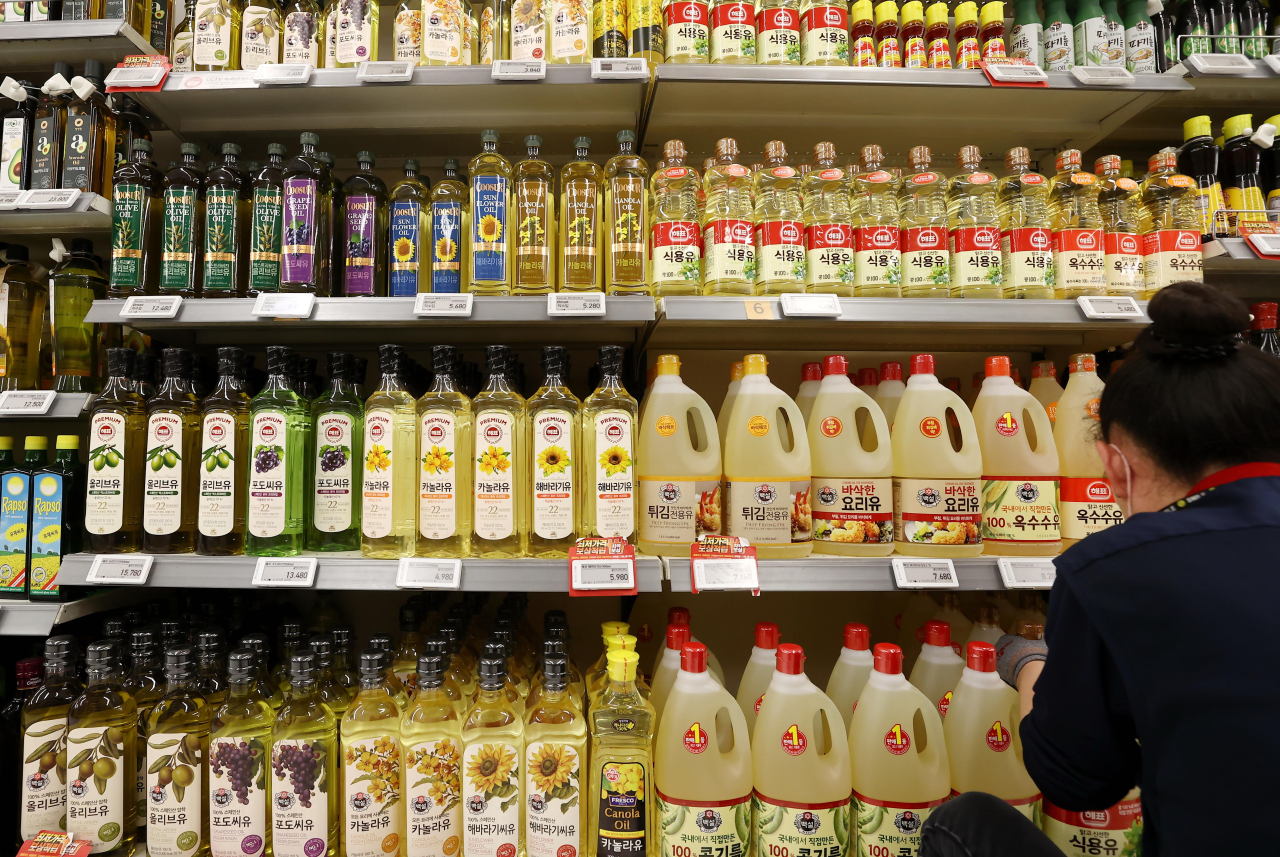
x=1013 y=71
x=599 y=566
x=723 y=562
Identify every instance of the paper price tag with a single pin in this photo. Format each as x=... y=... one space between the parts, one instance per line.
x=560 y=304
x=924 y=573
x=385 y=71
x=518 y=69
x=50 y=199
x=1121 y=308
x=459 y=305
x=1224 y=64
x=164 y=306
x=283 y=73
x=1027 y=573
x=600 y=566
x=291 y=571
x=429 y=574
x=216 y=80
x=1095 y=75
x=26 y=402
x=810 y=306
x=129 y=77
x=629 y=68
x=283 y=305
x=9 y=199
x=120 y=569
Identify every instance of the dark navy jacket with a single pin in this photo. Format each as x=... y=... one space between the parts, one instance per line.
x=1164 y=649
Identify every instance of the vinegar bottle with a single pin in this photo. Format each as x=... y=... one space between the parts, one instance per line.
x=851 y=671
x=117 y=432
x=372 y=762
x=608 y=444
x=779 y=229
x=664 y=676
x=555 y=445
x=224 y=452
x=810 y=380
x=388 y=509
x=1088 y=504
x=926 y=261
x=304 y=752
x=177 y=743
x=445 y=452
x=889 y=390
x=828 y=219
x=728 y=220
x=938 y=667
x=758 y=671
x=499 y=516
x=878 y=260
x=431 y=735
x=173 y=438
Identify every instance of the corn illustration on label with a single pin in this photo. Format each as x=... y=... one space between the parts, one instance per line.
x=889 y=828
x=790 y=828
x=704 y=827
x=1024 y=511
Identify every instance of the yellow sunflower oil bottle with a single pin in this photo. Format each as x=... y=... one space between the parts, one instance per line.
x=702 y=765
x=372 y=761
x=938 y=667
x=767 y=468
x=528 y=30
x=828 y=217
x=851 y=671
x=1079 y=263
x=620 y=810
x=431 y=734
x=1088 y=504
x=852 y=494
x=1022 y=198
x=779 y=224
x=450 y=226
x=877 y=238
x=101 y=735
x=899 y=760
x=535 y=236
x=409 y=219
x=388 y=508
x=306 y=799
x=609 y=447
x=489 y=238
x=758 y=671
x=976 y=264
x=937 y=504
x=728 y=221
x=626 y=216
x=675 y=235
x=668 y=665
x=555 y=749
x=239 y=758
x=554 y=446
x=982 y=738
x=802 y=776
x=499 y=513
x=43 y=773
x=581 y=205
x=492 y=774
x=926 y=259
x=177 y=774
x=1019 y=466
x=445 y=448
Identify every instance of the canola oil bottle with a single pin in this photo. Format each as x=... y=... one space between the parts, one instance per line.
x=668 y=666
x=936 y=501
x=702 y=765
x=758 y=671
x=852 y=468
x=938 y=667
x=1088 y=505
x=767 y=468
x=620 y=808
x=1019 y=468
x=432 y=740
x=851 y=671
x=899 y=760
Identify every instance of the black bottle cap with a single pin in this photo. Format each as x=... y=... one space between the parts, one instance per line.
x=93 y=70
x=555 y=672
x=360 y=370
x=302 y=666
x=307 y=367
x=495 y=358
x=443 y=359
x=278 y=359
x=142 y=641
x=380 y=642
x=177 y=361
x=178 y=661
x=339 y=364
x=230 y=360
x=242 y=664
x=371 y=664
x=61 y=649
x=115 y=628
x=389 y=358
x=64 y=69
x=82 y=246
x=16 y=253
x=492 y=670
x=120 y=362
x=449 y=634
x=611 y=357
x=275 y=149
x=99 y=655
x=555 y=358
x=430 y=671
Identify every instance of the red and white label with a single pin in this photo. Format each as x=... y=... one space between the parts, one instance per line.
x=830 y=253
x=733 y=31
x=729 y=249
x=779 y=40
x=975 y=257
x=897 y=740
x=968 y=54
x=878 y=261
x=686 y=33
x=863 y=52
x=998 y=737
x=944 y=704
x=914 y=54
x=1117 y=818
x=926 y=261
x=695 y=739
x=1029 y=252
x=940 y=53
x=889 y=53
x=1123 y=258
x=826 y=34
x=676 y=247
x=1079 y=259
x=781 y=251
x=1087 y=506
x=1007 y=424
x=1170 y=255
x=794 y=742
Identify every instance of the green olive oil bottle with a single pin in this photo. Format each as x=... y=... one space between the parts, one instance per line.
x=117 y=431
x=177 y=776
x=224 y=444
x=183 y=226
x=226 y=231
x=137 y=207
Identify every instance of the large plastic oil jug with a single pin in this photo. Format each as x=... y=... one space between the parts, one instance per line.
x=890 y=389
x=851 y=670
x=730 y=395
x=938 y=668
x=680 y=615
x=1087 y=502
x=759 y=670
x=668 y=666
x=1045 y=386
x=810 y=378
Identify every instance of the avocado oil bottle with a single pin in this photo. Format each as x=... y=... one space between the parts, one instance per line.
x=173 y=437
x=388 y=504
x=89 y=144
x=279 y=440
x=608 y=441
x=337 y=423
x=445 y=452
x=499 y=510
x=43 y=784
x=372 y=763
x=239 y=763
x=224 y=451
x=306 y=797
x=554 y=444
x=117 y=431
x=137 y=206
x=177 y=777
x=182 y=237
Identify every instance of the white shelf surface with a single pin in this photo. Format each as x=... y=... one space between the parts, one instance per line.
x=89 y=215
x=38 y=618
x=35 y=46
x=820 y=573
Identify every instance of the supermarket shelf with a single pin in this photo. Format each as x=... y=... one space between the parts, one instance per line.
x=351 y=572
x=37 y=618
x=90 y=214
x=841 y=574
x=66 y=406
x=36 y=46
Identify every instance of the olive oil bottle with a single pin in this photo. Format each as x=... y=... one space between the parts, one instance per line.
x=620 y=810
x=388 y=498
x=555 y=734
x=216 y=40
x=364 y=233
x=137 y=206
x=177 y=776
x=211 y=668
x=226 y=232
x=410 y=226
x=372 y=763
x=75 y=283
x=43 y=775
x=608 y=441
x=626 y=216
x=304 y=765
x=431 y=734
x=265 y=215
x=489 y=241
x=182 y=46
x=182 y=240
x=280 y=440
x=450 y=226
x=445 y=452
x=581 y=189
x=337 y=422
x=308 y=214
x=493 y=766
x=173 y=437
x=535 y=237
x=23 y=297
x=261 y=26
x=239 y=762
x=554 y=445
x=117 y=431
x=499 y=505
x=224 y=451
x=101 y=744
x=145 y=683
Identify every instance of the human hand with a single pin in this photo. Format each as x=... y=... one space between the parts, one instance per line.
x=1014 y=652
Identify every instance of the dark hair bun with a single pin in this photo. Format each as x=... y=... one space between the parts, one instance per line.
x=1194 y=321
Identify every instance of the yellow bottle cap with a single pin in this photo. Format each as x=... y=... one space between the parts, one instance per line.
x=6 y=443
x=936 y=13
x=992 y=12
x=1273 y=120
x=966 y=13
x=36 y=443
x=68 y=441
x=755 y=364
x=608 y=629
x=735 y=371
x=886 y=10
x=622 y=665
x=1237 y=126
x=625 y=642
x=912 y=10
x=860 y=11
x=668 y=364
x=1218 y=141
x=1197 y=126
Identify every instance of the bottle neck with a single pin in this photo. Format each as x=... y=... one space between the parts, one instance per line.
x=625 y=687
x=610 y=381
x=241 y=686
x=117 y=386
x=390 y=382
x=498 y=383
x=372 y=682
x=553 y=379
x=177 y=683
x=490 y=146
x=443 y=382
x=228 y=384
x=100 y=676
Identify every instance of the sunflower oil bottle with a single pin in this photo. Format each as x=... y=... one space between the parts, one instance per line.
x=450 y=226
x=889 y=391
x=43 y=788
x=675 y=234
x=702 y=764
x=304 y=752
x=581 y=206
x=445 y=447
x=489 y=240
x=851 y=671
x=758 y=671
x=728 y=221
x=555 y=736
x=499 y=512
x=852 y=468
x=431 y=734
x=1020 y=468
x=926 y=259
x=337 y=421
x=829 y=240
x=609 y=417
x=409 y=225
x=280 y=441
x=779 y=224
x=620 y=813
x=938 y=667
x=799 y=761
x=1088 y=504
x=493 y=766
x=976 y=264
x=534 y=198
x=1171 y=244
x=1120 y=205
x=878 y=260
x=555 y=445
x=177 y=774
x=15 y=514
x=1022 y=198
x=372 y=763
x=388 y=513
x=224 y=452
x=899 y=760
x=1078 y=253
x=117 y=432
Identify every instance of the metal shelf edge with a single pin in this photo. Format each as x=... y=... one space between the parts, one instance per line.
x=840 y=574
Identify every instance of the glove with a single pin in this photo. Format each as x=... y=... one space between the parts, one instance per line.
x=1014 y=652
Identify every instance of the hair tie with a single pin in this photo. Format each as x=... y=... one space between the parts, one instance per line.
x=1200 y=351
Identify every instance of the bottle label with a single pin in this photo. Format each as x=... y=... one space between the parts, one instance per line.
x=781 y=251
x=355 y=33
x=733 y=31
x=1254 y=48
x=301 y=43
x=528 y=34
x=44 y=781
x=299 y=813
x=1078 y=260
x=237 y=797
x=175 y=797
x=446 y=253
x=95 y=805
x=829 y=254
x=405 y=237
x=552 y=457
x=215 y=515
x=793 y=828
x=925 y=259
x=1123 y=258
x=1020 y=510
x=1088 y=506
x=357 y=269
x=677 y=252
x=15 y=533
x=768 y=513
x=627 y=209
x=553 y=783
x=177 y=260
x=77 y=158
x=581 y=215
x=376 y=507
x=914 y=53
x=495 y=506
x=1140 y=48
x=1091 y=41
x=489 y=229
x=12 y=157
x=1028 y=252
x=677 y=511
x=778 y=41
x=433 y=797
x=878 y=261
x=333 y=497
x=968 y=53
x=442 y=32
x=975 y=257
x=104 y=509
x=1171 y=255
x=570 y=30
x=939 y=53
x=260 y=36
x=44 y=143
x=140 y=767
x=1026 y=42
x=609 y=24
x=852 y=511
x=438 y=487
x=268 y=480
x=534 y=263
x=704 y=827
x=889 y=52
x=613 y=493
x=406 y=35
x=1059 y=47
x=687 y=29
x=212 y=33
x=937 y=511
x=264 y=240
x=863 y=51
x=994 y=48
x=491 y=798
x=182 y=50
x=889 y=828
x=1115 y=830
x=621 y=810
x=221 y=234
x=645 y=20
x=47 y=505
x=162 y=484
x=372 y=788
x=298 y=257
x=826 y=34
x=731 y=255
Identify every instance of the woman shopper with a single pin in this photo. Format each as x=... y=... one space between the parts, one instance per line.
x=1156 y=669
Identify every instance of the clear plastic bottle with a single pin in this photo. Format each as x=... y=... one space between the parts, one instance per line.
x=555 y=734
x=675 y=232
x=1079 y=264
x=431 y=735
x=581 y=262
x=974 y=224
x=730 y=394
x=1120 y=205
x=304 y=752
x=728 y=221
x=779 y=227
x=874 y=200
x=1025 y=238
x=555 y=447
x=938 y=667
x=621 y=810
x=851 y=671
x=239 y=753
x=733 y=31
x=1045 y=386
x=1088 y=504
x=668 y=665
x=499 y=515
x=372 y=766
x=778 y=32
x=824 y=33
x=758 y=670
x=828 y=218
x=926 y=259
x=889 y=391
x=1171 y=244
x=177 y=745
x=388 y=510
x=609 y=417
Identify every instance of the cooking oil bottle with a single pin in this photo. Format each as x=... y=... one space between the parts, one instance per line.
x=1077 y=833
x=183 y=225
x=936 y=498
x=554 y=444
x=852 y=468
x=730 y=396
x=581 y=205
x=499 y=513
x=173 y=438
x=489 y=244
x=889 y=391
x=450 y=227
x=668 y=666
x=728 y=221
x=534 y=197
x=976 y=264
x=145 y=683
x=938 y=667
x=878 y=263
x=810 y=380
x=1171 y=245
x=24 y=306
x=493 y=766
x=280 y=437
x=597 y=674
x=626 y=216
x=926 y=260
x=304 y=752
x=177 y=775
x=1020 y=468
x=372 y=761
x=1022 y=197
x=431 y=734
x=137 y=208
x=239 y=754
x=1120 y=206
x=829 y=242
x=620 y=813
x=404 y=662
x=608 y=444
x=43 y=718
x=675 y=234
x=555 y=735
x=1079 y=264
x=779 y=227
x=824 y=29
x=117 y=433
x=1088 y=504
x=851 y=671
x=224 y=451
x=446 y=449
x=758 y=671
x=337 y=419
x=899 y=759
x=387 y=509
x=409 y=219
x=733 y=31
x=1045 y=387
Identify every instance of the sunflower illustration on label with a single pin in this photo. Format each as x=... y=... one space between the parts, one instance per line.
x=491 y=799
x=553 y=812
x=614 y=491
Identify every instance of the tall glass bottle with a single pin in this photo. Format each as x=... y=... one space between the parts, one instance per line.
x=304 y=765
x=265 y=215
x=145 y=683
x=183 y=225
x=15 y=139
x=578 y=253
x=431 y=734
x=555 y=753
x=50 y=123
x=445 y=451
x=489 y=238
x=621 y=720
x=404 y=661
x=926 y=260
x=499 y=513
x=308 y=211
x=337 y=422
x=216 y=43
x=357 y=40
x=387 y=514
x=675 y=233
x=137 y=211
x=364 y=232
x=372 y=762
x=211 y=668
x=117 y=431
x=409 y=226
x=779 y=227
x=493 y=765
x=177 y=776
x=173 y=437
x=280 y=440
x=42 y=777
x=972 y=218
x=74 y=284
x=181 y=46
x=261 y=25
x=728 y=220
x=226 y=232
x=239 y=761
x=608 y=448
x=535 y=237
x=626 y=216
x=224 y=454
x=23 y=303
x=89 y=144
x=450 y=225
x=554 y=446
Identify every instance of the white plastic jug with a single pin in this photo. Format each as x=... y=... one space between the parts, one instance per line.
x=668 y=666
x=1045 y=387
x=810 y=378
x=758 y=671
x=730 y=395
x=938 y=668
x=1088 y=505
x=852 y=668
x=889 y=391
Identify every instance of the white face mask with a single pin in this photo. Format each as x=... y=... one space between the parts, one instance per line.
x=1128 y=481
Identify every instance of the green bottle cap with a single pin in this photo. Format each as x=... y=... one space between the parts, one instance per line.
x=1197 y=126
x=68 y=441
x=231 y=149
x=275 y=149
x=451 y=164
x=626 y=135
x=488 y=136
x=533 y=141
x=365 y=158
x=1238 y=126
x=325 y=158
x=192 y=149
x=36 y=443
x=582 y=142
x=309 y=138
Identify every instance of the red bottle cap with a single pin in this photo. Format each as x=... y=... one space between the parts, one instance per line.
x=767 y=635
x=868 y=377
x=811 y=372
x=693 y=658
x=1083 y=363
x=921 y=364
x=893 y=371
x=857 y=637
x=937 y=633
x=1016 y=375
x=834 y=364
x=1264 y=315
x=678 y=616
x=982 y=657
x=677 y=636
x=790 y=659
x=29 y=673
x=997 y=366
x=887 y=659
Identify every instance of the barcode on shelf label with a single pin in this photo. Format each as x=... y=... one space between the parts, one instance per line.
x=429 y=574
x=1228 y=64
x=26 y=402
x=56 y=198
x=724 y=574
x=120 y=569
x=284 y=305
x=575 y=303
x=143 y=75
x=385 y=71
x=9 y=199
x=444 y=305
x=1123 y=308
x=164 y=306
x=1094 y=75
x=519 y=69
x=1028 y=573
x=924 y=573
x=810 y=306
x=283 y=73
x=285 y=571
x=595 y=574
x=619 y=69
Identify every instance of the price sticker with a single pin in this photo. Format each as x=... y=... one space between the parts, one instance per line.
x=447 y=305
x=602 y=566
x=810 y=306
x=429 y=574
x=1014 y=73
x=284 y=305
x=759 y=309
x=26 y=402
x=568 y=304
x=9 y=199
x=1097 y=75
x=723 y=563
x=1027 y=573
x=135 y=77
x=1220 y=64
x=294 y=571
x=385 y=71
x=163 y=306
x=283 y=73
x=54 y=199
x=924 y=573
x=629 y=68
x=1114 y=308
x=518 y=69
x=120 y=569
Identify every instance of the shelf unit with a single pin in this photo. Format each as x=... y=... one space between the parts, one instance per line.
x=35 y=46
x=840 y=574
x=90 y=214
x=22 y=618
